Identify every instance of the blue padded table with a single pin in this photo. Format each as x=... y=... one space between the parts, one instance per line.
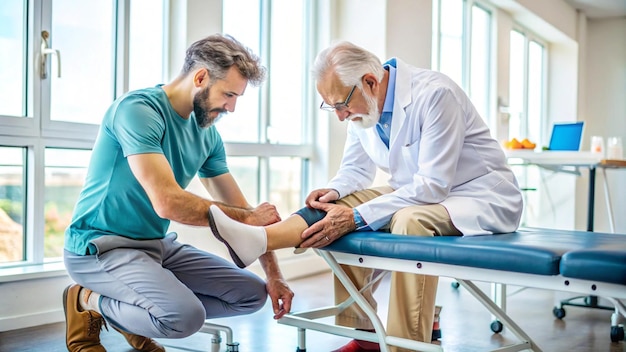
x=560 y=260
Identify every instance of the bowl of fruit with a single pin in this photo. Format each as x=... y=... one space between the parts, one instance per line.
x=515 y=144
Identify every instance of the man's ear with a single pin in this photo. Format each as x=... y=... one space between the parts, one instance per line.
x=201 y=77
x=369 y=80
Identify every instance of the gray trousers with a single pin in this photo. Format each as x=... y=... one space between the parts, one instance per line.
x=163 y=288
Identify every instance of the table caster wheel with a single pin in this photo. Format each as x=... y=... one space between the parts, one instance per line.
x=559 y=313
x=617 y=333
x=496 y=326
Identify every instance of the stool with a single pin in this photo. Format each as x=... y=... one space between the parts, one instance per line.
x=216 y=340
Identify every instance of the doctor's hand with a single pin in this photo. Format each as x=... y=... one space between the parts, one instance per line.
x=338 y=221
x=323 y=195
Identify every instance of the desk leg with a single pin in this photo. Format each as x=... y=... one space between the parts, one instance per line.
x=607 y=196
x=591 y=197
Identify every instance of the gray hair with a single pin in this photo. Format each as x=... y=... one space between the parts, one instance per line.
x=349 y=62
x=218 y=53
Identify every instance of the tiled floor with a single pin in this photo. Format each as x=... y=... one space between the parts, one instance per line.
x=464 y=322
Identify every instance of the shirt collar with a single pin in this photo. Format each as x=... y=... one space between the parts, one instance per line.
x=391 y=89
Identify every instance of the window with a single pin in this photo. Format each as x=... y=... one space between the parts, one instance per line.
x=12 y=204
x=146 y=54
x=52 y=100
x=526 y=86
x=464 y=49
x=83 y=34
x=265 y=136
x=13 y=58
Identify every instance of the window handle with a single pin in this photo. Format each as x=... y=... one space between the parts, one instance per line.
x=45 y=51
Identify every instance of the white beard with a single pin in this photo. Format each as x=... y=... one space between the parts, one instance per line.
x=372 y=116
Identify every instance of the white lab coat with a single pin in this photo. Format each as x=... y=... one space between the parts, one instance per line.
x=440 y=151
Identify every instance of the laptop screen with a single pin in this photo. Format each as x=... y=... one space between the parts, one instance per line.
x=566 y=136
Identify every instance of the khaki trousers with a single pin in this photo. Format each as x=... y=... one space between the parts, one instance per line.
x=411 y=297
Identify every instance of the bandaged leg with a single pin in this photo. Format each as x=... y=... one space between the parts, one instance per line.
x=310 y=216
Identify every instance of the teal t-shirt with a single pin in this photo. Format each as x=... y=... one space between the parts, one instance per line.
x=112 y=201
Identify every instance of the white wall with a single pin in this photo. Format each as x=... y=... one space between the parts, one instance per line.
x=555 y=20
x=32 y=302
x=604 y=111
x=409 y=31
x=500 y=127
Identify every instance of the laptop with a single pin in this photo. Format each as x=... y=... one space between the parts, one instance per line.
x=566 y=136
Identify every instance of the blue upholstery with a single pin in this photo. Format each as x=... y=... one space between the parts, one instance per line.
x=604 y=265
x=532 y=251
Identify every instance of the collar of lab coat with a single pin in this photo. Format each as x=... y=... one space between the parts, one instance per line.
x=402 y=98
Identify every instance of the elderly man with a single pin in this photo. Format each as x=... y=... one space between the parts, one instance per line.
x=448 y=177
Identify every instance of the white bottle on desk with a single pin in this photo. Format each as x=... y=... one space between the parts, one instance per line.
x=614 y=150
x=597 y=145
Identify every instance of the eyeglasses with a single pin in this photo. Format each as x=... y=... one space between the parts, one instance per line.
x=339 y=106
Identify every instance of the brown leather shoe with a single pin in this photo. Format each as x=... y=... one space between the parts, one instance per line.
x=141 y=343
x=82 y=333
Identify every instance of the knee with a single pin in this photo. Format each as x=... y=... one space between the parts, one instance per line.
x=185 y=321
x=253 y=299
x=405 y=222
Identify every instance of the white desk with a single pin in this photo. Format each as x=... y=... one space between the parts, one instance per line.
x=560 y=158
x=560 y=161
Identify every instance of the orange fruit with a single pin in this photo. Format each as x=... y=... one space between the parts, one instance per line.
x=526 y=144
x=515 y=144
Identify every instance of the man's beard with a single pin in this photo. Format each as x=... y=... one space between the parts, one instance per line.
x=371 y=118
x=203 y=110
